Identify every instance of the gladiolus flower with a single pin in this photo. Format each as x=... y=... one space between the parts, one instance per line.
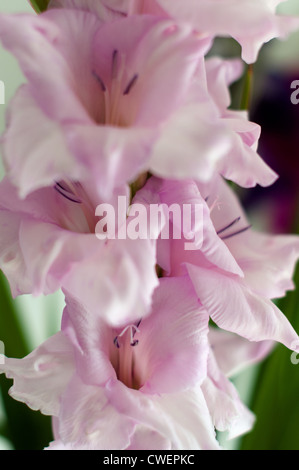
x=145 y=386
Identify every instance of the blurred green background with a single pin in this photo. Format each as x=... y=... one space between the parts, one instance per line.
x=271 y=389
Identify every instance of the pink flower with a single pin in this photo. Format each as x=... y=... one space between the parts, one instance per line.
x=48 y=242
x=112 y=85
x=129 y=391
x=135 y=99
x=146 y=386
x=237 y=271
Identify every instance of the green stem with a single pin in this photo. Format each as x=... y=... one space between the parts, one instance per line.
x=39 y=5
x=247 y=90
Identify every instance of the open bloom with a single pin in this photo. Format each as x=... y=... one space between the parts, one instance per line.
x=48 y=242
x=250 y=22
x=135 y=99
x=113 y=81
x=150 y=385
x=235 y=271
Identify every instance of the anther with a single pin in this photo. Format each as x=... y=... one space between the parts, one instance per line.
x=114 y=64
x=229 y=225
x=100 y=81
x=131 y=84
x=236 y=233
x=66 y=193
x=133 y=330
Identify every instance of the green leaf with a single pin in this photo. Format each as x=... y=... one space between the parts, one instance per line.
x=40 y=5
x=275 y=401
x=10 y=330
x=25 y=428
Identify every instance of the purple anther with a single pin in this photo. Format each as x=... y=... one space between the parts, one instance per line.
x=100 y=81
x=131 y=84
x=229 y=225
x=236 y=233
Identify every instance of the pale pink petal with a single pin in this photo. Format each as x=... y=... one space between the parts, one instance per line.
x=41 y=378
x=11 y=257
x=121 y=290
x=268 y=261
x=53 y=253
x=93 y=341
x=280 y=27
x=227 y=410
x=209 y=142
x=191 y=407
x=31 y=144
x=118 y=418
x=171 y=252
x=172 y=340
x=183 y=418
x=243 y=165
x=58 y=445
x=225 y=345
x=93 y=419
x=251 y=22
x=121 y=154
x=235 y=308
x=54 y=60
x=148 y=439
x=88 y=421
x=60 y=258
x=54 y=57
x=220 y=75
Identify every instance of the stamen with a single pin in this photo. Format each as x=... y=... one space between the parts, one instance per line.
x=131 y=84
x=229 y=225
x=63 y=186
x=133 y=330
x=66 y=193
x=99 y=80
x=236 y=233
x=114 y=64
x=134 y=342
x=115 y=12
